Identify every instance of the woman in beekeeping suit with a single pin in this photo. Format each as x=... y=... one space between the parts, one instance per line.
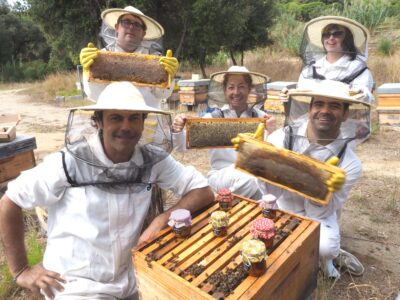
x=336 y=48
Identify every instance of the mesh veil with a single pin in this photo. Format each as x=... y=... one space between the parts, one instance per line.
x=90 y=166
x=108 y=37
x=356 y=128
x=312 y=52
x=216 y=95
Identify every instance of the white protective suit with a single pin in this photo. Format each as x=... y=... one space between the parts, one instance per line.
x=91 y=230
x=327 y=215
x=223 y=173
x=342 y=68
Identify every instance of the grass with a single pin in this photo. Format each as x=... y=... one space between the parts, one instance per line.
x=34 y=246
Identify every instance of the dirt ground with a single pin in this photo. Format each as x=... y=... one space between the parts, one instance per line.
x=370 y=224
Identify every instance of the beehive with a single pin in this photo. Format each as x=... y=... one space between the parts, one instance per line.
x=192 y=92
x=389 y=104
x=217 y=132
x=207 y=267
x=274 y=102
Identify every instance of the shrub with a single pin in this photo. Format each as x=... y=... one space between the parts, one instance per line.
x=287 y=33
x=385 y=47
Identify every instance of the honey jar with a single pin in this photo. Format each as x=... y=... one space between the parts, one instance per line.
x=224 y=197
x=219 y=220
x=253 y=255
x=268 y=206
x=264 y=230
x=181 y=222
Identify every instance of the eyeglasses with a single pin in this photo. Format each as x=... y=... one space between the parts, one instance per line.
x=136 y=25
x=335 y=34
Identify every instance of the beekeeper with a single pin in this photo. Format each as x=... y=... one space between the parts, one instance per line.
x=229 y=93
x=129 y=30
x=97 y=192
x=314 y=123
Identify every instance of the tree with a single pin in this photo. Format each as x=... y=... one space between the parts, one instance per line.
x=198 y=29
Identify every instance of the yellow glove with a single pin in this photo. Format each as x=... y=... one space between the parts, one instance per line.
x=236 y=142
x=87 y=56
x=169 y=63
x=336 y=181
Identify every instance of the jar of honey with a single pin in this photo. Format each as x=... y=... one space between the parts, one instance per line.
x=268 y=206
x=224 y=197
x=219 y=220
x=264 y=230
x=254 y=254
x=181 y=222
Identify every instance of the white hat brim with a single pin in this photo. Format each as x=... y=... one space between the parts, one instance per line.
x=309 y=93
x=154 y=29
x=314 y=29
x=256 y=78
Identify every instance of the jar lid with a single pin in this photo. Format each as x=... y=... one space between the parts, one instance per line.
x=267 y=201
x=219 y=218
x=253 y=251
x=224 y=195
x=180 y=217
x=263 y=228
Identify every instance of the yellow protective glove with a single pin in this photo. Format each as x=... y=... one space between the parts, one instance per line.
x=336 y=181
x=169 y=63
x=87 y=56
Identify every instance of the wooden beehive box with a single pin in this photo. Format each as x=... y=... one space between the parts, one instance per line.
x=202 y=266
x=217 y=132
x=140 y=69
x=192 y=92
x=16 y=156
x=275 y=103
x=389 y=104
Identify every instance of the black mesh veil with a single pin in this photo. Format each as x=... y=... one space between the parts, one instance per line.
x=90 y=166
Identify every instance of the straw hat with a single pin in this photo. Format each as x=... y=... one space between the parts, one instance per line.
x=121 y=96
x=154 y=29
x=315 y=27
x=326 y=88
x=257 y=78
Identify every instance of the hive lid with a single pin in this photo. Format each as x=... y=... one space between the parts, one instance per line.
x=389 y=88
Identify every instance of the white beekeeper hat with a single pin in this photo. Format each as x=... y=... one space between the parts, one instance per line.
x=121 y=96
x=315 y=27
x=153 y=29
x=326 y=88
x=256 y=78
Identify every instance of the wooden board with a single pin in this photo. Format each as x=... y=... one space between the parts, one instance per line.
x=140 y=69
x=11 y=167
x=172 y=268
x=286 y=169
x=217 y=132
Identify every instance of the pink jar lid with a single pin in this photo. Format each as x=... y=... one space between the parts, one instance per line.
x=263 y=228
x=224 y=195
x=180 y=218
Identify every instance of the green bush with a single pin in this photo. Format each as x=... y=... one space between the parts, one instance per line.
x=385 y=47
x=287 y=33
x=370 y=13
x=35 y=70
